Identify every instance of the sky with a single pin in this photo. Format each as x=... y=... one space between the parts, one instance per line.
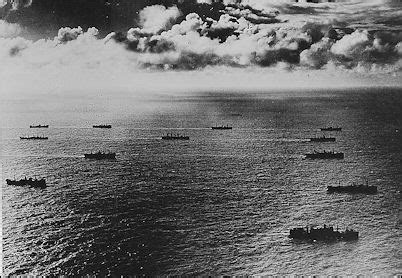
x=74 y=46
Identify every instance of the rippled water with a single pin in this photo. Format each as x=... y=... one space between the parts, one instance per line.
x=221 y=203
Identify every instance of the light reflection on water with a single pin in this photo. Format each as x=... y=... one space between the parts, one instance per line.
x=221 y=203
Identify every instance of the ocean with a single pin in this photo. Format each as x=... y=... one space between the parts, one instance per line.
x=221 y=203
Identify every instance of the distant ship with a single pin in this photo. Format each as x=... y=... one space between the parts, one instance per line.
x=331 y=128
x=325 y=155
x=102 y=126
x=28 y=182
x=100 y=155
x=222 y=127
x=354 y=188
x=322 y=139
x=39 y=126
x=327 y=233
x=33 y=138
x=175 y=137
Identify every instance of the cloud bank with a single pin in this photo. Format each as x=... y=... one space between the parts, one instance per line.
x=9 y=30
x=279 y=38
x=16 y=4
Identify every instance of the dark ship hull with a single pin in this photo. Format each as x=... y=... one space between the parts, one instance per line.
x=331 y=129
x=221 y=127
x=353 y=189
x=175 y=138
x=325 y=155
x=39 y=126
x=28 y=182
x=323 y=139
x=100 y=156
x=34 y=138
x=102 y=126
x=322 y=234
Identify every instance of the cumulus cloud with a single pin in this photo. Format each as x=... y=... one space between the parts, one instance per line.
x=237 y=41
x=351 y=44
x=243 y=35
x=317 y=55
x=398 y=48
x=240 y=37
x=16 y=4
x=9 y=30
x=156 y=18
x=69 y=34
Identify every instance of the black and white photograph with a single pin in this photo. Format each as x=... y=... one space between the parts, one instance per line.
x=201 y=138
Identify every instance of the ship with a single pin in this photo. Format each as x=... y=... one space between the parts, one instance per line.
x=102 y=126
x=322 y=139
x=222 y=127
x=100 y=155
x=170 y=136
x=39 y=126
x=331 y=128
x=37 y=183
x=353 y=188
x=325 y=155
x=33 y=138
x=327 y=233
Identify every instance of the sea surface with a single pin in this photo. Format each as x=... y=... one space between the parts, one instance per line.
x=221 y=203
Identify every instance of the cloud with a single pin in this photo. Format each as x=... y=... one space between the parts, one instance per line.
x=11 y=48
x=317 y=55
x=260 y=4
x=351 y=44
x=157 y=18
x=129 y=80
x=175 y=41
x=16 y=4
x=68 y=34
x=10 y=30
x=398 y=48
x=243 y=36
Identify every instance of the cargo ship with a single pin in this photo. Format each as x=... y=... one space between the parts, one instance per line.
x=33 y=138
x=100 y=155
x=37 y=183
x=102 y=126
x=175 y=137
x=322 y=139
x=353 y=188
x=325 y=155
x=327 y=233
x=222 y=127
x=331 y=128
x=39 y=126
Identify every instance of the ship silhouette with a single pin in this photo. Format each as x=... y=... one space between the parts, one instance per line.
x=37 y=183
x=222 y=127
x=100 y=155
x=330 y=128
x=170 y=136
x=325 y=155
x=322 y=139
x=327 y=233
x=353 y=188
x=39 y=126
x=102 y=126
x=33 y=138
